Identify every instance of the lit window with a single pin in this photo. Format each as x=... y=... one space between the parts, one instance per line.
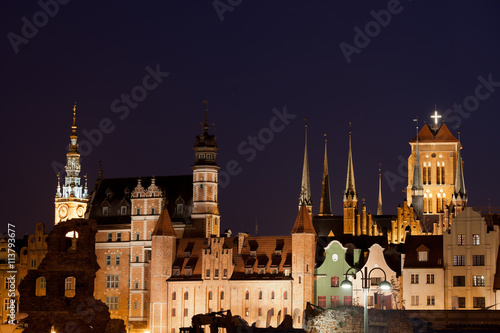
x=461 y=240
x=459 y=260
x=43 y=282
x=422 y=255
x=475 y=239
x=68 y=283
x=478 y=281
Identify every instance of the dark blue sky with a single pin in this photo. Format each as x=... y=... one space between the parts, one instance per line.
x=262 y=55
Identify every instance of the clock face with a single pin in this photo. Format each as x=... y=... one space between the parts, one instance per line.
x=335 y=257
x=63 y=211
x=80 y=211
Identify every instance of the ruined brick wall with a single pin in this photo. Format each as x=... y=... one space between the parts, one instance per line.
x=349 y=319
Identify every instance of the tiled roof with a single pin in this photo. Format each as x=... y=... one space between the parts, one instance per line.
x=120 y=189
x=164 y=225
x=435 y=256
x=442 y=134
x=303 y=223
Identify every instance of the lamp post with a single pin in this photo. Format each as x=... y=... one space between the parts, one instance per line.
x=365 y=279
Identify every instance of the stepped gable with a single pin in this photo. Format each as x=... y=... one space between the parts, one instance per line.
x=171 y=186
x=435 y=257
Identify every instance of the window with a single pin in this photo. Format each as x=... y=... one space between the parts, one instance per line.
x=137 y=258
x=475 y=239
x=173 y=312
x=247 y=295
x=174 y=296
x=186 y=296
x=225 y=273
x=6 y=304
x=68 y=283
x=478 y=281
x=415 y=300
x=461 y=240
x=285 y=295
x=43 y=282
x=33 y=263
x=459 y=281
x=335 y=301
x=422 y=255
x=461 y=302
x=260 y=312
x=105 y=210
x=138 y=211
x=272 y=294
x=136 y=305
x=430 y=278
x=222 y=295
x=322 y=301
x=152 y=211
x=7 y=282
x=123 y=210
x=110 y=237
x=112 y=281
x=186 y=312
x=347 y=300
x=375 y=281
x=108 y=260
x=210 y=296
x=459 y=260
x=117 y=260
x=414 y=278
x=335 y=281
x=478 y=260
x=208 y=274
x=118 y=236
x=431 y=301
x=136 y=285
x=478 y=302
x=112 y=302
x=216 y=274
x=260 y=294
x=247 y=312
x=137 y=236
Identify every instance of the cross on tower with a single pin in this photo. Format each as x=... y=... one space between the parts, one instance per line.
x=436 y=117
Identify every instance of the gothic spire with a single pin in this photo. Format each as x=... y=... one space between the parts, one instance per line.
x=417 y=185
x=459 y=177
x=379 y=205
x=305 y=191
x=325 y=208
x=350 y=186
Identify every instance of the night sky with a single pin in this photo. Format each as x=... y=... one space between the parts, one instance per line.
x=252 y=58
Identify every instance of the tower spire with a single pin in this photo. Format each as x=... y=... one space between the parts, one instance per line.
x=205 y=127
x=350 y=186
x=417 y=185
x=325 y=208
x=379 y=205
x=459 y=176
x=305 y=191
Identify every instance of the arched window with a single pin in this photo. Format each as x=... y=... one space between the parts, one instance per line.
x=174 y=296
x=209 y=295
x=285 y=295
x=186 y=296
x=247 y=295
x=69 y=286
x=260 y=294
x=272 y=294
x=221 y=295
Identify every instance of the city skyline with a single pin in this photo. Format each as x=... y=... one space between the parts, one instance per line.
x=252 y=72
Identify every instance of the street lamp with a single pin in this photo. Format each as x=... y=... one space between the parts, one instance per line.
x=365 y=279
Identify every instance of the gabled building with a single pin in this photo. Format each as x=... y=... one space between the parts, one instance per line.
x=470 y=252
x=423 y=273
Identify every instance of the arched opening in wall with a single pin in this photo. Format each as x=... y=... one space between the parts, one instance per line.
x=71 y=239
x=296 y=316
x=41 y=286
x=69 y=286
x=278 y=319
x=270 y=314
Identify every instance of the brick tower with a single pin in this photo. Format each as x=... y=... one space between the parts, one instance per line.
x=350 y=196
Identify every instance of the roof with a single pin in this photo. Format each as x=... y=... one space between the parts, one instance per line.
x=115 y=192
x=435 y=257
x=164 y=225
x=324 y=224
x=303 y=223
x=441 y=134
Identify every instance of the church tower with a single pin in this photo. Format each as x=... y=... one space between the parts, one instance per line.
x=205 y=180
x=325 y=206
x=380 y=211
x=350 y=196
x=459 y=197
x=305 y=189
x=71 y=200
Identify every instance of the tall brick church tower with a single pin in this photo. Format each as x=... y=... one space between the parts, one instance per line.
x=71 y=200
x=205 y=180
x=350 y=196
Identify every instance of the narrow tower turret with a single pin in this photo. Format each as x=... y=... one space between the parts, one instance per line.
x=305 y=190
x=350 y=195
x=417 y=188
x=459 y=197
x=325 y=208
x=379 y=205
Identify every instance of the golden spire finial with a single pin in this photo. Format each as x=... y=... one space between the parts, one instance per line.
x=74 y=119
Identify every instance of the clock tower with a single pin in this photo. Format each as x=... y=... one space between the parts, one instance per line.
x=71 y=199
